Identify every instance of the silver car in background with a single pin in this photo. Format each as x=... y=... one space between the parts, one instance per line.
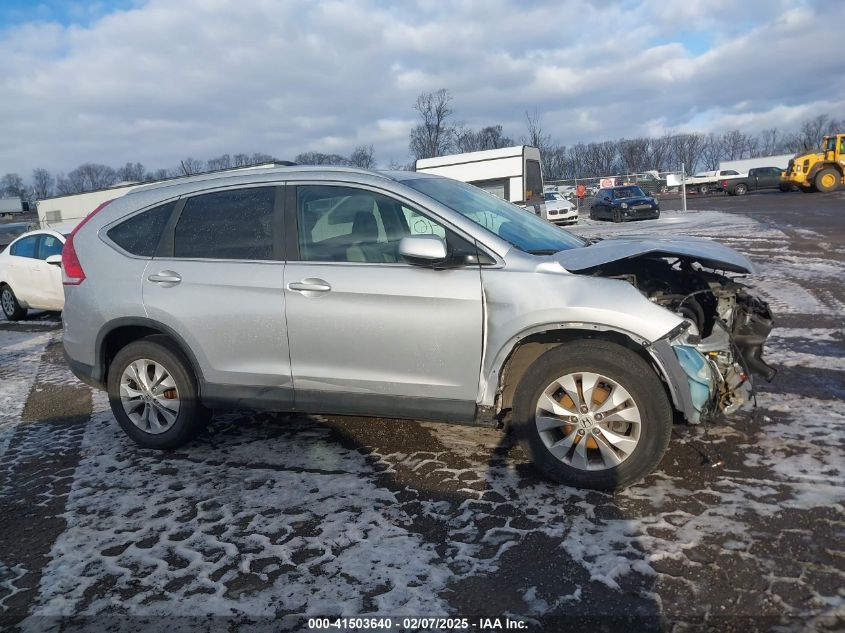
x=404 y=295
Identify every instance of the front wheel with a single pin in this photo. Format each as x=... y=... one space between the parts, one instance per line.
x=784 y=188
x=617 y=215
x=703 y=189
x=11 y=308
x=153 y=394
x=827 y=180
x=592 y=414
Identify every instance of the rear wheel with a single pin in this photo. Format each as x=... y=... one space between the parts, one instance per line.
x=703 y=189
x=153 y=394
x=827 y=180
x=11 y=308
x=740 y=190
x=592 y=414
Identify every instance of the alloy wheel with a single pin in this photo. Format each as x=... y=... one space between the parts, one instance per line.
x=588 y=421
x=149 y=396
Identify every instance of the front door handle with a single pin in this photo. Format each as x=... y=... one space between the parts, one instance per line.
x=166 y=278
x=310 y=286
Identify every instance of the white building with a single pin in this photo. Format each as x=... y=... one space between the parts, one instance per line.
x=68 y=211
x=512 y=173
x=742 y=166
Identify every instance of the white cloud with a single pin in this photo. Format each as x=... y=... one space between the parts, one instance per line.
x=166 y=80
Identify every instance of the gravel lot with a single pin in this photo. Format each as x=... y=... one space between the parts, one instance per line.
x=282 y=517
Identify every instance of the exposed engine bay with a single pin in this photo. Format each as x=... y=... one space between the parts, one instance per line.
x=727 y=324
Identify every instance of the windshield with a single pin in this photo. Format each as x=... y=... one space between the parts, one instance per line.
x=627 y=192
x=521 y=228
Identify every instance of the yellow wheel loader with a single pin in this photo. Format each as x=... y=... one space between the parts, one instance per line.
x=818 y=171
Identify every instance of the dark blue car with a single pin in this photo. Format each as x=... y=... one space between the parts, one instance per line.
x=620 y=204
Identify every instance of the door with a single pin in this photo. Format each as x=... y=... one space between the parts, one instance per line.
x=768 y=177
x=47 y=290
x=370 y=333
x=218 y=283
x=20 y=274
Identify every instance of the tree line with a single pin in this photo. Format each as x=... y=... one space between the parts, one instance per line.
x=438 y=134
x=93 y=176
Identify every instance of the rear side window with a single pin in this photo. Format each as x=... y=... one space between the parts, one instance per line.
x=25 y=247
x=234 y=224
x=140 y=234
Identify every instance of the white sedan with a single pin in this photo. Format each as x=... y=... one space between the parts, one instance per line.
x=31 y=274
x=559 y=210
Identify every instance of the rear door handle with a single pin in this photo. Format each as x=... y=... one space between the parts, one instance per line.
x=167 y=278
x=309 y=286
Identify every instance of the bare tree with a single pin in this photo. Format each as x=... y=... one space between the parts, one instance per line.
x=769 y=142
x=490 y=137
x=363 y=156
x=433 y=136
x=659 y=152
x=86 y=177
x=601 y=159
x=260 y=158
x=318 y=158
x=11 y=186
x=224 y=161
x=42 y=183
x=712 y=152
x=687 y=149
x=634 y=155
x=536 y=135
x=132 y=172
x=190 y=166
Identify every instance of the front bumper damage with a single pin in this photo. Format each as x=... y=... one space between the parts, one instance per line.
x=711 y=377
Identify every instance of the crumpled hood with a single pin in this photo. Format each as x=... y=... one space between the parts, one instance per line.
x=707 y=252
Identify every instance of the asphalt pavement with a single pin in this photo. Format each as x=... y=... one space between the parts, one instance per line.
x=268 y=519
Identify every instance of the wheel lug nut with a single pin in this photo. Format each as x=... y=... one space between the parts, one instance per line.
x=595 y=430
x=583 y=408
x=580 y=432
x=598 y=416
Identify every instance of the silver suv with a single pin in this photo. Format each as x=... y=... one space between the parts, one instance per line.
x=404 y=295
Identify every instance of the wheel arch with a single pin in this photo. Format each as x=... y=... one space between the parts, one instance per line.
x=520 y=352
x=118 y=333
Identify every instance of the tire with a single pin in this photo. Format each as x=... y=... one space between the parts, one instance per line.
x=827 y=180
x=644 y=394
x=703 y=189
x=807 y=188
x=741 y=189
x=593 y=214
x=617 y=216
x=148 y=427
x=784 y=188
x=9 y=302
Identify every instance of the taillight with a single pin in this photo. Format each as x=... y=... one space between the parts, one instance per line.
x=72 y=273
x=725 y=183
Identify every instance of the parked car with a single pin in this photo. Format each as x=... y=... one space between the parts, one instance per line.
x=30 y=274
x=623 y=203
x=756 y=179
x=403 y=294
x=559 y=210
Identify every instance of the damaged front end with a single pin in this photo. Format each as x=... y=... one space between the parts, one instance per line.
x=720 y=345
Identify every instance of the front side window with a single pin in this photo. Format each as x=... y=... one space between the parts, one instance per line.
x=236 y=224
x=49 y=245
x=521 y=228
x=25 y=247
x=345 y=224
x=140 y=234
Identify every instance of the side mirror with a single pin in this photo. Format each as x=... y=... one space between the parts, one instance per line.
x=423 y=250
x=56 y=260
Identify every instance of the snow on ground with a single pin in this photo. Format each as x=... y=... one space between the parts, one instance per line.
x=268 y=515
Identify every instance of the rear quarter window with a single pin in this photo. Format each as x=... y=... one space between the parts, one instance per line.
x=140 y=234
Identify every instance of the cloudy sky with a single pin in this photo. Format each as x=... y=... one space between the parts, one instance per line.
x=159 y=80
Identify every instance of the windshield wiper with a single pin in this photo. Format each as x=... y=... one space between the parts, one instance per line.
x=542 y=251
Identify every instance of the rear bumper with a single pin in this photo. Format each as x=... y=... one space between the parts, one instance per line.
x=86 y=373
